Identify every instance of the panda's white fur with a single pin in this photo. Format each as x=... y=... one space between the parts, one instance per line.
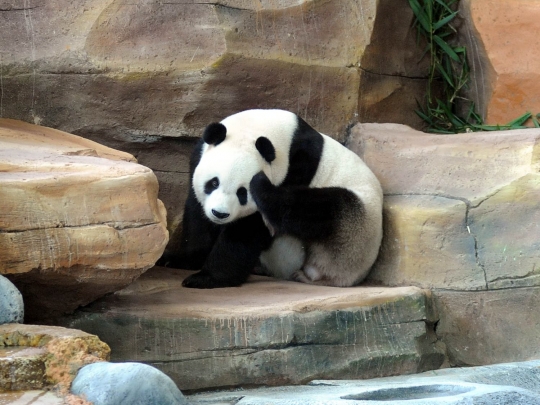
x=235 y=161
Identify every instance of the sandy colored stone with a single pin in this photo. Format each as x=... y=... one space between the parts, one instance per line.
x=489 y=327
x=58 y=353
x=460 y=210
x=78 y=219
x=501 y=36
x=267 y=331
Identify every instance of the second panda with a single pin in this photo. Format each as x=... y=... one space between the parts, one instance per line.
x=269 y=191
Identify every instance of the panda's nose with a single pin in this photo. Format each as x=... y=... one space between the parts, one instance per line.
x=220 y=215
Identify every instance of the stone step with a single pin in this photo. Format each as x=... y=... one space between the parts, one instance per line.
x=267 y=331
x=22 y=368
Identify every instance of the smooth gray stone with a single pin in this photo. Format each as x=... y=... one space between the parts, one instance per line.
x=126 y=383
x=11 y=303
x=502 y=384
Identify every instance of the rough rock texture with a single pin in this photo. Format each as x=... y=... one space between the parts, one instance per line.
x=461 y=212
x=514 y=383
x=462 y=217
x=499 y=36
x=32 y=357
x=489 y=327
x=125 y=383
x=265 y=332
x=11 y=303
x=133 y=75
x=77 y=219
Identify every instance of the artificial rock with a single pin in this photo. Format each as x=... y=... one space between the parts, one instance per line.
x=107 y=383
x=504 y=72
x=77 y=220
x=267 y=331
x=461 y=211
x=35 y=357
x=11 y=303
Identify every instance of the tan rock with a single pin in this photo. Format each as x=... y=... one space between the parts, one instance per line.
x=461 y=211
x=78 y=220
x=489 y=327
x=34 y=356
x=501 y=36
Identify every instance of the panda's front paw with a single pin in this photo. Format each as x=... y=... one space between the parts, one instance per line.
x=260 y=187
x=204 y=280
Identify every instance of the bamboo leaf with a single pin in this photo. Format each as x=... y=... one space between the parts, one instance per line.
x=420 y=15
x=446 y=48
x=444 y=21
x=519 y=120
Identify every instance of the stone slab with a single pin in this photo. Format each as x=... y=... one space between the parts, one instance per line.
x=264 y=332
x=489 y=327
x=512 y=383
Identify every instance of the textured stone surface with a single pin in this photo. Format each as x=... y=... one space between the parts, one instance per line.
x=461 y=212
x=11 y=303
x=515 y=383
x=133 y=75
x=77 y=219
x=34 y=356
x=125 y=383
x=505 y=73
x=489 y=327
x=36 y=397
x=265 y=332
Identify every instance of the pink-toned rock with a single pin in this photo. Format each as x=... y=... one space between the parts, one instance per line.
x=77 y=219
x=461 y=211
x=502 y=37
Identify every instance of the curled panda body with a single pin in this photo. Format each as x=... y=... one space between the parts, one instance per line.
x=268 y=190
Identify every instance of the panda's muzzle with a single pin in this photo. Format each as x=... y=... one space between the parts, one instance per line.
x=220 y=215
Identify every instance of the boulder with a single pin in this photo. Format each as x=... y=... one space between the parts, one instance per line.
x=77 y=219
x=35 y=357
x=461 y=217
x=267 y=331
x=505 y=73
x=11 y=303
x=461 y=211
x=125 y=383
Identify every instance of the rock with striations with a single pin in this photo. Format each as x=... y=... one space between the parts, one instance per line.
x=462 y=217
x=499 y=36
x=77 y=219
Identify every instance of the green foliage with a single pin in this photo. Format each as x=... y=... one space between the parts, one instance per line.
x=449 y=66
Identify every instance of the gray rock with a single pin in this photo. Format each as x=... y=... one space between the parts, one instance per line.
x=126 y=383
x=11 y=302
x=512 y=383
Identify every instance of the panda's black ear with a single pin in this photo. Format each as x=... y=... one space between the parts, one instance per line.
x=265 y=148
x=214 y=133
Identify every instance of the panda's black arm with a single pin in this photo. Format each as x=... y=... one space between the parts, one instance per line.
x=311 y=214
x=196 y=241
x=234 y=255
x=198 y=233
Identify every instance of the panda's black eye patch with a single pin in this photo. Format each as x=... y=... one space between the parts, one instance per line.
x=241 y=193
x=211 y=185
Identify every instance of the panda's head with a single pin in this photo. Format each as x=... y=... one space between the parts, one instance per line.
x=226 y=167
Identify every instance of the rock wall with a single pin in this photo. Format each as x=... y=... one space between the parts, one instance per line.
x=500 y=36
x=462 y=217
x=139 y=75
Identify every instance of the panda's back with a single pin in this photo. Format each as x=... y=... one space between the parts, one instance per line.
x=340 y=167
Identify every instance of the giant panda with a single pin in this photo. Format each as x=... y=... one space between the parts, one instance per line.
x=269 y=192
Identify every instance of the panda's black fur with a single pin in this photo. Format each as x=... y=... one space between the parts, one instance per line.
x=321 y=222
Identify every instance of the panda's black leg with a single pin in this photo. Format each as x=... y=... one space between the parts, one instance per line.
x=235 y=253
x=310 y=214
